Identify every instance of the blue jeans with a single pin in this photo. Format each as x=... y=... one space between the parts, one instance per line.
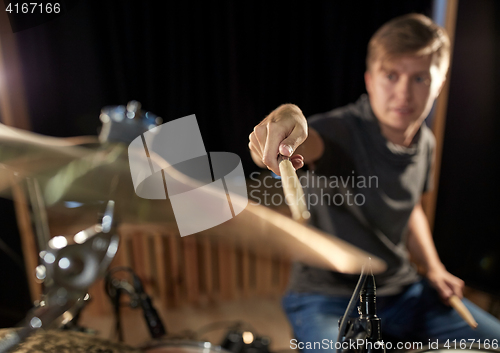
x=416 y=315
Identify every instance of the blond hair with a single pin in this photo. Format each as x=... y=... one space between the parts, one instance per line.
x=412 y=34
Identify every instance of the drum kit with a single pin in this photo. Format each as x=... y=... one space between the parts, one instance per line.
x=88 y=170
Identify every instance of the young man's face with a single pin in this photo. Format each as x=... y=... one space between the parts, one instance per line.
x=402 y=90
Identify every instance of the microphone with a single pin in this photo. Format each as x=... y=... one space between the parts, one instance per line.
x=153 y=320
x=366 y=328
x=368 y=314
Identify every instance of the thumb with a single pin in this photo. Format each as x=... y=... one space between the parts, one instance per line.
x=290 y=144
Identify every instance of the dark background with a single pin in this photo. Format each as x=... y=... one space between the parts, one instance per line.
x=466 y=231
x=231 y=63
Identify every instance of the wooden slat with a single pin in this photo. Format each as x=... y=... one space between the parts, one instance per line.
x=227 y=270
x=127 y=250
x=245 y=270
x=264 y=275
x=216 y=269
x=142 y=258
x=99 y=303
x=285 y=267
x=176 y=278
x=120 y=257
x=138 y=252
x=207 y=268
x=161 y=267
x=238 y=255
x=191 y=275
x=150 y=282
x=276 y=273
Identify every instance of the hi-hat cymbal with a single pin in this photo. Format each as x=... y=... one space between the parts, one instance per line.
x=67 y=172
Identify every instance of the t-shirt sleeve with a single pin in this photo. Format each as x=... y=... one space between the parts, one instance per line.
x=335 y=135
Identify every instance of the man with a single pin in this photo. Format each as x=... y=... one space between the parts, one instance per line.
x=381 y=137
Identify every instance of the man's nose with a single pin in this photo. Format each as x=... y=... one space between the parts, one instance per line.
x=403 y=88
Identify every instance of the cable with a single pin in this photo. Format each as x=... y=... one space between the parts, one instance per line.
x=138 y=298
x=114 y=292
x=352 y=303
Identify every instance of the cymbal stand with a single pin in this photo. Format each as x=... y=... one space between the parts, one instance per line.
x=69 y=267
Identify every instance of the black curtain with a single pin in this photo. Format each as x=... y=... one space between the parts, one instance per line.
x=467 y=227
x=228 y=62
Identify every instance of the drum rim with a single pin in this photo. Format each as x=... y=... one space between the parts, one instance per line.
x=186 y=343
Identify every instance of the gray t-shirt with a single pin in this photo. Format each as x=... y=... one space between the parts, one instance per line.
x=363 y=190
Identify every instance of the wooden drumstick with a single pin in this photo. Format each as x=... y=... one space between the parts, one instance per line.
x=294 y=194
x=462 y=310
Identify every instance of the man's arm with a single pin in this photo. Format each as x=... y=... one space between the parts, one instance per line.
x=285 y=131
x=423 y=251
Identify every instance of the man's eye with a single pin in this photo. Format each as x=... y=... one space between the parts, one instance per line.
x=422 y=79
x=391 y=77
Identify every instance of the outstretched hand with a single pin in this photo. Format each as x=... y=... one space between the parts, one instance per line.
x=445 y=283
x=281 y=132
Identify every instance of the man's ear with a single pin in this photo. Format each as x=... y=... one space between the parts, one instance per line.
x=368 y=80
x=441 y=86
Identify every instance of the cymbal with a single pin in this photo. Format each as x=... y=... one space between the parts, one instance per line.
x=262 y=228
x=26 y=154
x=58 y=340
x=91 y=176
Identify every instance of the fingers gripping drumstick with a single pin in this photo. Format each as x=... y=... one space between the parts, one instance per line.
x=294 y=194
x=462 y=310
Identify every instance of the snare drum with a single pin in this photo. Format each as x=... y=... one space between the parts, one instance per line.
x=53 y=341
x=182 y=347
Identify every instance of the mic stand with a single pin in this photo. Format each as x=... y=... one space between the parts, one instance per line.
x=153 y=320
x=138 y=298
x=365 y=331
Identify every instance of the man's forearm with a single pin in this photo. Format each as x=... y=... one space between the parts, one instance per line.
x=420 y=243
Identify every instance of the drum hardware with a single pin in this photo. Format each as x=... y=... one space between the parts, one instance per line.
x=368 y=326
x=114 y=288
x=239 y=341
x=182 y=347
x=69 y=320
x=68 y=268
x=240 y=337
x=124 y=123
